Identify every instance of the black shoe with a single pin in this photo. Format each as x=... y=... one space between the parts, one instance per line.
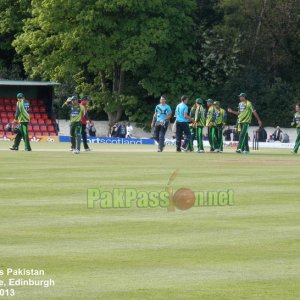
x=27 y=149
x=14 y=148
x=159 y=150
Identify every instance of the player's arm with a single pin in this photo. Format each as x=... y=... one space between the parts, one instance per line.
x=67 y=102
x=188 y=117
x=169 y=114
x=153 y=119
x=293 y=122
x=17 y=114
x=231 y=111
x=257 y=118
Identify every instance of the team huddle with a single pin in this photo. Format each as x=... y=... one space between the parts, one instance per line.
x=189 y=125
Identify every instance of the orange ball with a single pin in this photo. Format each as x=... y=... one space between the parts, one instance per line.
x=184 y=199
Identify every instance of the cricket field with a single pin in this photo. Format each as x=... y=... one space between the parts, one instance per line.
x=53 y=246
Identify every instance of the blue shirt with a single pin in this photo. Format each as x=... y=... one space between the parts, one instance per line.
x=181 y=109
x=162 y=111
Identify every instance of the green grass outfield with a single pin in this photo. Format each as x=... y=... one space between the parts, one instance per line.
x=250 y=250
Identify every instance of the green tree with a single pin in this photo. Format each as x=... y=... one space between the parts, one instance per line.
x=12 y=14
x=100 y=43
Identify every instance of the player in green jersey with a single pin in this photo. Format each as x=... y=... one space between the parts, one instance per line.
x=296 y=122
x=22 y=118
x=76 y=115
x=198 y=114
x=244 y=113
x=221 y=118
x=210 y=124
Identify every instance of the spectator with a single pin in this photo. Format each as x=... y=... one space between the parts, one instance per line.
x=277 y=135
x=91 y=128
x=114 y=130
x=227 y=134
x=129 y=130
x=262 y=134
x=121 y=132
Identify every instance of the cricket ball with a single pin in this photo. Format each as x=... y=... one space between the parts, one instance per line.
x=184 y=199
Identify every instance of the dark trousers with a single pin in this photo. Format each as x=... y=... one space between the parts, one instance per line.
x=244 y=137
x=22 y=134
x=84 y=136
x=182 y=128
x=219 y=137
x=159 y=134
x=75 y=132
x=211 y=137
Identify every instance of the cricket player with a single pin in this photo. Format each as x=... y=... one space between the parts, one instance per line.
x=244 y=113
x=198 y=113
x=76 y=114
x=182 y=126
x=211 y=124
x=84 y=102
x=221 y=118
x=160 y=122
x=296 y=122
x=22 y=119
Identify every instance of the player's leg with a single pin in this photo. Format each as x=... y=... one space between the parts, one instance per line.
x=25 y=136
x=72 y=136
x=190 y=145
x=18 y=138
x=187 y=135
x=297 y=142
x=221 y=139
x=243 y=137
x=211 y=137
x=161 y=137
x=199 y=133
x=156 y=133
x=217 y=139
x=77 y=130
x=178 y=136
x=84 y=137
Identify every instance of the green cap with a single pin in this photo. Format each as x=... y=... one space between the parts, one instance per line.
x=210 y=101
x=74 y=98
x=20 y=95
x=242 y=95
x=217 y=103
x=199 y=101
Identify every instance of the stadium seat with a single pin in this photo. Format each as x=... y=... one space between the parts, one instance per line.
x=40 y=102
x=51 y=128
x=42 y=109
x=33 y=121
x=10 y=115
x=37 y=116
x=3 y=114
x=4 y=120
x=7 y=101
x=44 y=116
x=48 y=122
x=43 y=128
x=52 y=134
x=33 y=102
x=36 y=128
x=45 y=133
x=37 y=133
x=30 y=128
x=41 y=121
x=9 y=108
x=35 y=109
x=2 y=107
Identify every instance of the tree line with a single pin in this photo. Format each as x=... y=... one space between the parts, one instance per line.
x=124 y=54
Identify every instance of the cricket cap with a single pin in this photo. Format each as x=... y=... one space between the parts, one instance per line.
x=74 y=98
x=242 y=95
x=210 y=101
x=199 y=101
x=85 y=98
x=20 y=95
